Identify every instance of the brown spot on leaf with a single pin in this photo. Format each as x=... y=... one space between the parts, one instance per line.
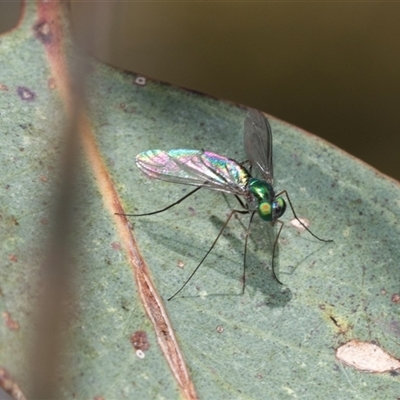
x=3 y=87
x=341 y=325
x=367 y=357
x=13 y=257
x=43 y=32
x=116 y=245
x=25 y=94
x=10 y=386
x=139 y=341
x=396 y=298
x=11 y=324
x=13 y=221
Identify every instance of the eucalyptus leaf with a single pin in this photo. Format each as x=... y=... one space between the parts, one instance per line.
x=275 y=341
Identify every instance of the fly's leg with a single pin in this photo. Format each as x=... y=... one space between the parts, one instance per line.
x=245 y=252
x=164 y=209
x=209 y=250
x=295 y=215
x=273 y=252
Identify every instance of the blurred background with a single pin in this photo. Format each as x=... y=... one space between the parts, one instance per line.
x=331 y=68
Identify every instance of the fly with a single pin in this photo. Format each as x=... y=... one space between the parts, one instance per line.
x=205 y=169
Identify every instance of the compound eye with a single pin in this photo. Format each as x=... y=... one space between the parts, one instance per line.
x=265 y=211
x=279 y=207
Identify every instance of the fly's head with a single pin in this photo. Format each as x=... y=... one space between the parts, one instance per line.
x=269 y=207
x=271 y=211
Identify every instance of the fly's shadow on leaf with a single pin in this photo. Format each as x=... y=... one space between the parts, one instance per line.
x=258 y=263
x=226 y=257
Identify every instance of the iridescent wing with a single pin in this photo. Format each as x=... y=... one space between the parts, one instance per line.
x=258 y=143
x=196 y=168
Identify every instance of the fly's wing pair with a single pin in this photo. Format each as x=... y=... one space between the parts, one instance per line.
x=196 y=168
x=211 y=170
x=258 y=144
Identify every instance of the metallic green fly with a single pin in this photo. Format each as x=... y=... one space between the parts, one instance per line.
x=205 y=169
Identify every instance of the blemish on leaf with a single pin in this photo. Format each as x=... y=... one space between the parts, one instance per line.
x=51 y=83
x=203 y=294
x=192 y=211
x=25 y=94
x=181 y=264
x=289 y=390
x=334 y=320
x=296 y=224
x=12 y=221
x=126 y=109
x=3 y=87
x=366 y=357
x=140 y=341
x=8 y=384
x=11 y=324
x=141 y=81
x=219 y=328
x=43 y=32
x=396 y=298
x=43 y=178
x=13 y=257
x=339 y=323
x=395 y=327
x=346 y=232
x=140 y=354
x=116 y=245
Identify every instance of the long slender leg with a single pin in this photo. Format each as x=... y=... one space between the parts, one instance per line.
x=245 y=252
x=295 y=215
x=209 y=250
x=273 y=252
x=240 y=202
x=166 y=208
